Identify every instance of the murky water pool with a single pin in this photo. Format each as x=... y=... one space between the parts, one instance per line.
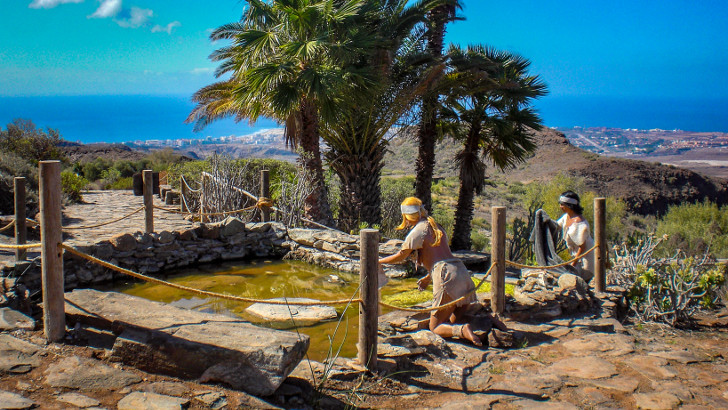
x=275 y=279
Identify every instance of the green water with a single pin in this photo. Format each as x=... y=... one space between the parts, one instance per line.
x=274 y=279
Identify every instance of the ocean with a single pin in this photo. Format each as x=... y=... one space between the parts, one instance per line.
x=90 y=119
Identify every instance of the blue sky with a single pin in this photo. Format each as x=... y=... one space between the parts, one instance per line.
x=668 y=48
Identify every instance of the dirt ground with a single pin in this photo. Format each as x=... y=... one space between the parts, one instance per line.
x=566 y=363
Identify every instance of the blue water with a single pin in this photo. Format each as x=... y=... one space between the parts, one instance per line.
x=118 y=118
x=128 y=118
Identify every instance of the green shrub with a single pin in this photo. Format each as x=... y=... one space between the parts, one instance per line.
x=30 y=143
x=394 y=191
x=695 y=229
x=72 y=184
x=479 y=241
x=122 y=184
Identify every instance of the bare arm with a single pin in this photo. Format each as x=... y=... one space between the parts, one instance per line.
x=400 y=256
x=581 y=251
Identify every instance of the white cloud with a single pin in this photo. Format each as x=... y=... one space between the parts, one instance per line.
x=202 y=70
x=166 y=29
x=108 y=8
x=49 y=4
x=134 y=18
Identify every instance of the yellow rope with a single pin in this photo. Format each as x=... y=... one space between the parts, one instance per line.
x=72 y=228
x=8 y=226
x=26 y=246
x=447 y=305
x=262 y=202
x=32 y=221
x=520 y=266
x=198 y=291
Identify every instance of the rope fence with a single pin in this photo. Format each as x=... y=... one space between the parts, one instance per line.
x=26 y=246
x=72 y=228
x=521 y=266
x=8 y=226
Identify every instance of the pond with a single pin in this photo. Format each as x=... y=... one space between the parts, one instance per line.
x=274 y=279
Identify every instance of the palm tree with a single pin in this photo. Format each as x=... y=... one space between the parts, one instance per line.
x=289 y=60
x=357 y=140
x=427 y=134
x=487 y=108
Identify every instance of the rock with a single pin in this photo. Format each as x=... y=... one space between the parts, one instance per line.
x=151 y=401
x=433 y=344
x=123 y=242
x=78 y=400
x=282 y=313
x=210 y=231
x=387 y=350
x=504 y=340
x=166 y=388
x=103 y=250
x=166 y=237
x=13 y=401
x=231 y=226
x=567 y=281
x=303 y=236
x=212 y=400
x=258 y=227
x=680 y=356
x=610 y=344
x=534 y=385
x=590 y=367
x=331 y=236
x=76 y=373
x=654 y=368
x=159 y=338
x=655 y=401
x=17 y=356
x=527 y=404
x=622 y=384
x=13 y=320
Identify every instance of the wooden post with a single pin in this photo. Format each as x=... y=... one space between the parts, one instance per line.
x=148 y=179
x=600 y=236
x=182 y=195
x=369 y=291
x=203 y=198
x=54 y=316
x=265 y=193
x=498 y=256
x=21 y=232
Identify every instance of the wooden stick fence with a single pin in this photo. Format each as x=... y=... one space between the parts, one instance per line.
x=52 y=260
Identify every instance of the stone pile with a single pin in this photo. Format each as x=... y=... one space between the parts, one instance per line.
x=546 y=294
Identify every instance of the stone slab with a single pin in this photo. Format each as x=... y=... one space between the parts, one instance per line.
x=151 y=401
x=656 y=401
x=589 y=367
x=76 y=373
x=214 y=348
x=283 y=313
x=13 y=320
x=12 y=401
x=78 y=400
x=17 y=356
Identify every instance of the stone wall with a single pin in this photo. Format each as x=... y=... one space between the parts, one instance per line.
x=145 y=253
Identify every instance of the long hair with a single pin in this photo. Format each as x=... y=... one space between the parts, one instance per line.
x=416 y=216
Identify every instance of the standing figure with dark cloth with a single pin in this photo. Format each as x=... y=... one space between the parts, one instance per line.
x=576 y=234
x=449 y=277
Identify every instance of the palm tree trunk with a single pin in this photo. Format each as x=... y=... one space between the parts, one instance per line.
x=425 y=163
x=316 y=206
x=361 y=199
x=470 y=179
x=427 y=133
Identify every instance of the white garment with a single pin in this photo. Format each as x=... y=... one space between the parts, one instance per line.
x=576 y=235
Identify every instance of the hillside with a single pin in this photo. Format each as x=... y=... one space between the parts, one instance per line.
x=89 y=152
x=646 y=187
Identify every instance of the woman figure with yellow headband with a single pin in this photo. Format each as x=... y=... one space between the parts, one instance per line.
x=450 y=278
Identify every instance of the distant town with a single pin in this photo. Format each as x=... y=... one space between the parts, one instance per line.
x=654 y=142
x=272 y=136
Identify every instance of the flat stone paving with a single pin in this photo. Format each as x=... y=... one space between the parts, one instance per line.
x=103 y=206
